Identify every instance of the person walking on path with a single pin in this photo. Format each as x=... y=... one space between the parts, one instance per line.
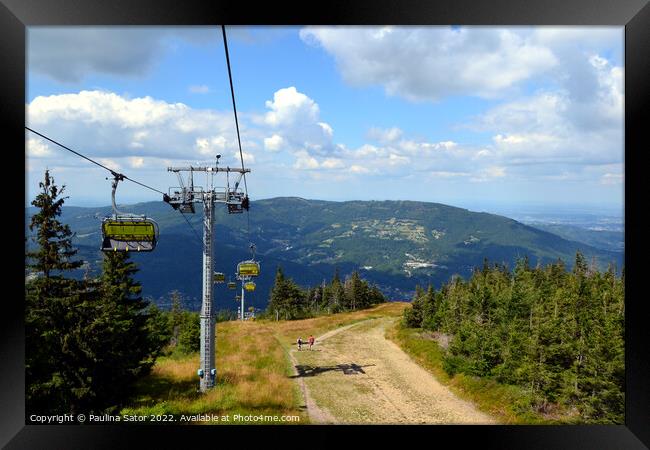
x=299 y=344
x=311 y=341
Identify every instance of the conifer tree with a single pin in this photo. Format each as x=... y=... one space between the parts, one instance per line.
x=375 y=296
x=558 y=334
x=51 y=310
x=189 y=336
x=125 y=348
x=356 y=292
x=86 y=340
x=337 y=293
x=277 y=300
x=413 y=316
x=287 y=298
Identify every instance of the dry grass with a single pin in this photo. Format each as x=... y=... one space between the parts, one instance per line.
x=288 y=331
x=252 y=378
x=253 y=370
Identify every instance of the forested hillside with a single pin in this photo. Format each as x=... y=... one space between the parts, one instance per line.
x=290 y=301
x=558 y=334
x=393 y=244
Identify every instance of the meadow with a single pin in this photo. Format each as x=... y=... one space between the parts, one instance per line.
x=253 y=370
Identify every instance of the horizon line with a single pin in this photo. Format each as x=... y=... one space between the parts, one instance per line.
x=458 y=203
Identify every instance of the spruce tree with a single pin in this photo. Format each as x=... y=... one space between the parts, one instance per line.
x=337 y=293
x=86 y=340
x=557 y=334
x=53 y=238
x=287 y=298
x=121 y=332
x=413 y=315
x=355 y=292
x=429 y=307
x=189 y=337
x=277 y=299
x=375 y=296
x=51 y=309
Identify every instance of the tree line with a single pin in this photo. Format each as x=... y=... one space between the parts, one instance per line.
x=182 y=328
x=558 y=334
x=88 y=341
x=288 y=301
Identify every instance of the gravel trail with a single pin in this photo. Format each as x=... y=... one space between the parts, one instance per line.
x=355 y=375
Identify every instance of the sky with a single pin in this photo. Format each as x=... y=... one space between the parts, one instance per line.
x=477 y=117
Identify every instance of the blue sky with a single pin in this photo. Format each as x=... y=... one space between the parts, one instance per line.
x=463 y=116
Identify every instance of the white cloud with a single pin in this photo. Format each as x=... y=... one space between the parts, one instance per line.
x=541 y=111
x=529 y=146
x=354 y=168
x=403 y=157
x=295 y=119
x=367 y=150
x=397 y=160
x=150 y=134
x=37 y=148
x=332 y=163
x=305 y=161
x=427 y=63
x=495 y=171
x=69 y=54
x=484 y=153
x=384 y=135
x=211 y=146
x=326 y=129
x=290 y=107
x=105 y=124
x=444 y=174
x=95 y=107
x=561 y=92
x=111 y=164
x=136 y=162
x=249 y=158
x=579 y=122
x=489 y=174
x=273 y=143
x=558 y=37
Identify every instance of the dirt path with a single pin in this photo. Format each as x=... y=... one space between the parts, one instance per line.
x=316 y=414
x=355 y=375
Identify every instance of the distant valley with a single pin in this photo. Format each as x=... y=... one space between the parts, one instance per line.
x=394 y=244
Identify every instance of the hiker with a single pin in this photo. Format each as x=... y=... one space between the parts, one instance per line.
x=299 y=343
x=311 y=341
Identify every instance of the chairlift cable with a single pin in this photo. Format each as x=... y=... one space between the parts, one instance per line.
x=114 y=173
x=196 y=233
x=234 y=107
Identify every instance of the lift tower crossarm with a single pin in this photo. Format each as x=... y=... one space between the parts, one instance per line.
x=207 y=169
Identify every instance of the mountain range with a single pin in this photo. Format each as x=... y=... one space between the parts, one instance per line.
x=393 y=244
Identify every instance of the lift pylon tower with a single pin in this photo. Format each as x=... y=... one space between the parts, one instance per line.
x=183 y=199
x=241 y=311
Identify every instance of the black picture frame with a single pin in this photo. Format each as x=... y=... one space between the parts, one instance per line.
x=634 y=15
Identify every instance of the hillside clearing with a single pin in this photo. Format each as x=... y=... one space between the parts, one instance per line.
x=358 y=376
x=254 y=370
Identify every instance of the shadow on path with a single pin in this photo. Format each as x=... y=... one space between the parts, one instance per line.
x=347 y=369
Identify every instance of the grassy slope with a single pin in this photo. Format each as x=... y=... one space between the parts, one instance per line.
x=253 y=370
x=252 y=378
